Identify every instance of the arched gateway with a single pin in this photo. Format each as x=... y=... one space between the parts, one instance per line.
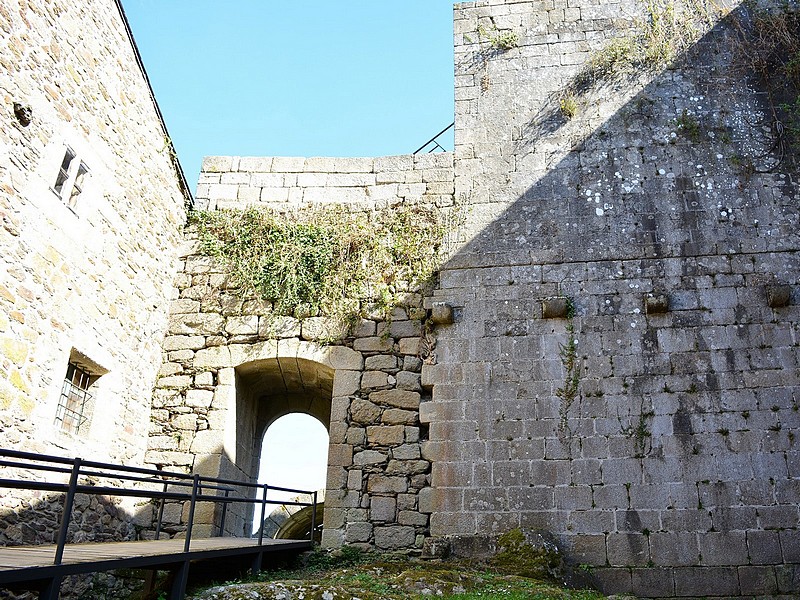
x=233 y=365
x=238 y=391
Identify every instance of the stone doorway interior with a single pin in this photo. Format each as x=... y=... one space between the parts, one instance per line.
x=269 y=389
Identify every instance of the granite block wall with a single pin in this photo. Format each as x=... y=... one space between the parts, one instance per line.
x=83 y=276
x=94 y=279
x=232 y=366
x=649 y=426
x=363 y=184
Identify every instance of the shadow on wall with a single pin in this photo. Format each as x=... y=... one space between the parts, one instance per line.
x=617 y=430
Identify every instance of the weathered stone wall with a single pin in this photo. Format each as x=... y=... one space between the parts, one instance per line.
x=96 y=279
x=281 y=183
x=673 y=469
x=231 y=366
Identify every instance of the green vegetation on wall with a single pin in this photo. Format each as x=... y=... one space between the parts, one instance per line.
x=326 y=260
x=570 y=391
x=668 y=29
x=767 y=47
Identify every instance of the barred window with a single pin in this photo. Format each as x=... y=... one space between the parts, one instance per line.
x=70 y=179
x=75 y=402
x=63 y=172
x=77 y=186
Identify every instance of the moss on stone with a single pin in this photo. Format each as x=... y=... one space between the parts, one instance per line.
x=518 y=557
x=396 y=578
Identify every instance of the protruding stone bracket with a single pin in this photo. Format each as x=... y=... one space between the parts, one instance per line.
x=556 y=307
x=778 y=295
x=442 y=313
x=655 y=304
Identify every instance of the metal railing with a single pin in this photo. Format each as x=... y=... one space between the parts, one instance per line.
x=134 y=482
x=434 y=143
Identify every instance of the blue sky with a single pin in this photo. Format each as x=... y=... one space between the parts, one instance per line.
x=302 y=78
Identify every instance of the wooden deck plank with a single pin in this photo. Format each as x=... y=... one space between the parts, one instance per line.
x=15 y=560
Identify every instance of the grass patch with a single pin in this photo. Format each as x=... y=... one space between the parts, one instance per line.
x=393 y=577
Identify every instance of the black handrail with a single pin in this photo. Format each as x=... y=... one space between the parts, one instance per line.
x=69 y=501
x=200 y=486
x=433 y=141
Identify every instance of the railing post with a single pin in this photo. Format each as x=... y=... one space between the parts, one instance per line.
x=69 y=500
x=195 y=488
x=263 y=515
x=161 y=513
x=224 y=512
x=313 y=518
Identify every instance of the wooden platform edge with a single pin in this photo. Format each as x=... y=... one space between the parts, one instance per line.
x=43 y=572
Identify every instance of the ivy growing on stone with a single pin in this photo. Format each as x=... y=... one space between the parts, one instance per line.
x=326 y=261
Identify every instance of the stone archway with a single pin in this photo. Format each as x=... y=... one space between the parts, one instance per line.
x=267 y=389
x=252 y=385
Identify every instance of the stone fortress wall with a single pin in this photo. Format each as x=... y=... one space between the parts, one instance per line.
x=231 y=366
x=646 y=426
x=94 y=279
x=89 y=283
x=621 y=376
x=671 y=467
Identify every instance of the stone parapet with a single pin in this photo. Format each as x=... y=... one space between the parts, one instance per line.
x=283 y=183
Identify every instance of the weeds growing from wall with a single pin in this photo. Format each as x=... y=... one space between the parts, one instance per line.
x=497 y=39
x=326 y=261
x=639 y=432
x=667 y=30
x=688 y=125
x=568 y=393
x=767 y=47
x=568 y=104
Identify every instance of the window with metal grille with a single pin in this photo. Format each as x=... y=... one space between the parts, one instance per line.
x=77 y=186
x=72 y=411
x=70 y=179
x=63 y=172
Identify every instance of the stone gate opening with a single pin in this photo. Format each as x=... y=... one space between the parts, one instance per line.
x=267 y=390
x=294 y=453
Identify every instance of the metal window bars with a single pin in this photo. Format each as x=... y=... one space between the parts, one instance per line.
x=75 y=396
x=77 y=186
x=63 y=171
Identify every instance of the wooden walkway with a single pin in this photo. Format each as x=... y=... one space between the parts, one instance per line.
x=20 y=565
x=43 y=568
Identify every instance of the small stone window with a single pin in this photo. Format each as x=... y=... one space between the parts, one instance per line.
x=76 y=403
x=70 y=179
